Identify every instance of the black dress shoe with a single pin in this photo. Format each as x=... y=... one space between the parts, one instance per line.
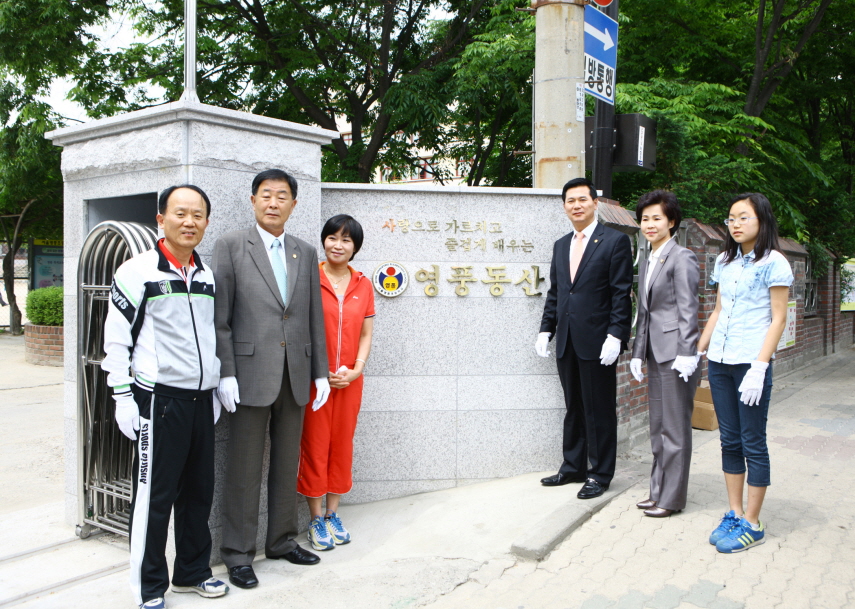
x=560 y=479
x=299 y=556
x=592 y=489
x=243 y=576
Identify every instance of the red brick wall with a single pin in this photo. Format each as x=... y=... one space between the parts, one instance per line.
x=43 y=345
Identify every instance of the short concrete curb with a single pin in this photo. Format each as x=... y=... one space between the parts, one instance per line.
x=550 y=531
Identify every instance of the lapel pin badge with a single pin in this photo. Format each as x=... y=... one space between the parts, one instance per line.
x=596 y=240
x=294 y=255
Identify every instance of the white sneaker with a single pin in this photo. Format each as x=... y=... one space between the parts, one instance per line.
x=210 y=588
x=320 y=536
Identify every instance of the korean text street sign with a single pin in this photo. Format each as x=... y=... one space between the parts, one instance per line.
x=601 y=38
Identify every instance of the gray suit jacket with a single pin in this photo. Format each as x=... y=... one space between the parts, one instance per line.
x=256 y=330
x=668 y=313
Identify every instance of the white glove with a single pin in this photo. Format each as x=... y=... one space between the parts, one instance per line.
x=610 y=351
x=541 y=347
x=218 y=407
x=698 y=357
x=751 y=387
x=228 y=394
x=685 y=365
x=128 y=415
x=323 y=387
x=635 y=369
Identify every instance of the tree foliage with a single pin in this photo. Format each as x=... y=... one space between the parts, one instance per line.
x=747 y=94
x=30 y=179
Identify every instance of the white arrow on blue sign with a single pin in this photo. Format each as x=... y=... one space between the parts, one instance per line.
x=601 y=38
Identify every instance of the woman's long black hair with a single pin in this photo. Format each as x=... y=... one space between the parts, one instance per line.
x=767 y=237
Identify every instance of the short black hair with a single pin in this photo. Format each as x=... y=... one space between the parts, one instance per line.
x=348 y=226
x=767 y=236
x=668 y=201
x=278 y=175
x=163 y=200
x=578 y=182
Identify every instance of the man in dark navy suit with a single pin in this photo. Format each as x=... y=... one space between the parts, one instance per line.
x=588 y=311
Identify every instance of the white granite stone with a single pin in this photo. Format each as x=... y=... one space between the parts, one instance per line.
x=499 y=337
x=127 y=152
x=71 y=509
x=69 y=400
x=217 y=147
x=502 y=443
x=509 y=392
x=414 y=337
x=70 y=456
x=401 y=393
x=400 y=446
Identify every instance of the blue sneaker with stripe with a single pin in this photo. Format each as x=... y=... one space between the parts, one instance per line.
x=319 y=535
x=339 y=534
x=741 y=537
x=727 y=523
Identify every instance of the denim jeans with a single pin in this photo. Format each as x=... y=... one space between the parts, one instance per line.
x=742 y=427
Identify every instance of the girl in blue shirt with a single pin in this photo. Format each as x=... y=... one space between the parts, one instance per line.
x=741 y=336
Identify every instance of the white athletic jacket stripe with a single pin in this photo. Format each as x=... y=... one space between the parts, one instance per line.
x=159 y=328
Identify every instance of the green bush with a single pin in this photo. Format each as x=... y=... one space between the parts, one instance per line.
x=44 y=306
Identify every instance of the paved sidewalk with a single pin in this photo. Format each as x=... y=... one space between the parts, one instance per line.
x=622 y=559
x=471 y=547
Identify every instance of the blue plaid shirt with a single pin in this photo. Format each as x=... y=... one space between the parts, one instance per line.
x=746 y=304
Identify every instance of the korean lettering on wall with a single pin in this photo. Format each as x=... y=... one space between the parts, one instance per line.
x=471 y=236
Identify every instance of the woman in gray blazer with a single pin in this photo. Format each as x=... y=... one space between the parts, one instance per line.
x=666 y=336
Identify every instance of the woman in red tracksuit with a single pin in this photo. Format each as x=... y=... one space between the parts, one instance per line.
x=326 y=450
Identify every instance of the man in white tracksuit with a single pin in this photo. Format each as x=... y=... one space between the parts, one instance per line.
x=161 y=362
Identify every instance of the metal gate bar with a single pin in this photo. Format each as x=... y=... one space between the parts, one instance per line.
x=105 y=456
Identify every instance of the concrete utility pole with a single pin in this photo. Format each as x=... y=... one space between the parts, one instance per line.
x=190 y=52
x=559 y=65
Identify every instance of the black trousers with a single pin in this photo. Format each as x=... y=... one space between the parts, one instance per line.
x=174 y=467
x=590 y=424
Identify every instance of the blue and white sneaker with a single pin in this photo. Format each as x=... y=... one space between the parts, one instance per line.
x=210 y=588
x=320 y=536
x=155 y=603
x=727 y=523
x=741 y=537
x=339 y=534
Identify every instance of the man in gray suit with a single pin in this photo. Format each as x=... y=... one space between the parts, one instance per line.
x=270 y=342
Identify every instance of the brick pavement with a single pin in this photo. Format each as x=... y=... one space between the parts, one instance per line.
x=621 y=559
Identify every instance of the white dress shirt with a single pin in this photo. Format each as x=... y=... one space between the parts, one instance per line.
x=652 y=261
x=588 y=230
x=268 y=239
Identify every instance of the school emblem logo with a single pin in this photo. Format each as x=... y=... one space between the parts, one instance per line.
x=165 y=287
x=391 y=279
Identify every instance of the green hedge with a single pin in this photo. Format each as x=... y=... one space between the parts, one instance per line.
x=44 y=306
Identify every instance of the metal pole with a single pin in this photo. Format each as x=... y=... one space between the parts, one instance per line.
x=559 y=138
x=190 y=52
x=603 y=137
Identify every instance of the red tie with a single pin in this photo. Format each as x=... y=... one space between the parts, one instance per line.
x=576 y=257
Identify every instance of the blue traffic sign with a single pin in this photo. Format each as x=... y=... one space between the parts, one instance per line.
x=601 y=36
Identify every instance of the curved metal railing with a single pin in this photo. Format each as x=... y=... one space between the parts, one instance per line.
x=104 y=455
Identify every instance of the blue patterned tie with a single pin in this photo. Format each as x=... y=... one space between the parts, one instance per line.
x=279 y=270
